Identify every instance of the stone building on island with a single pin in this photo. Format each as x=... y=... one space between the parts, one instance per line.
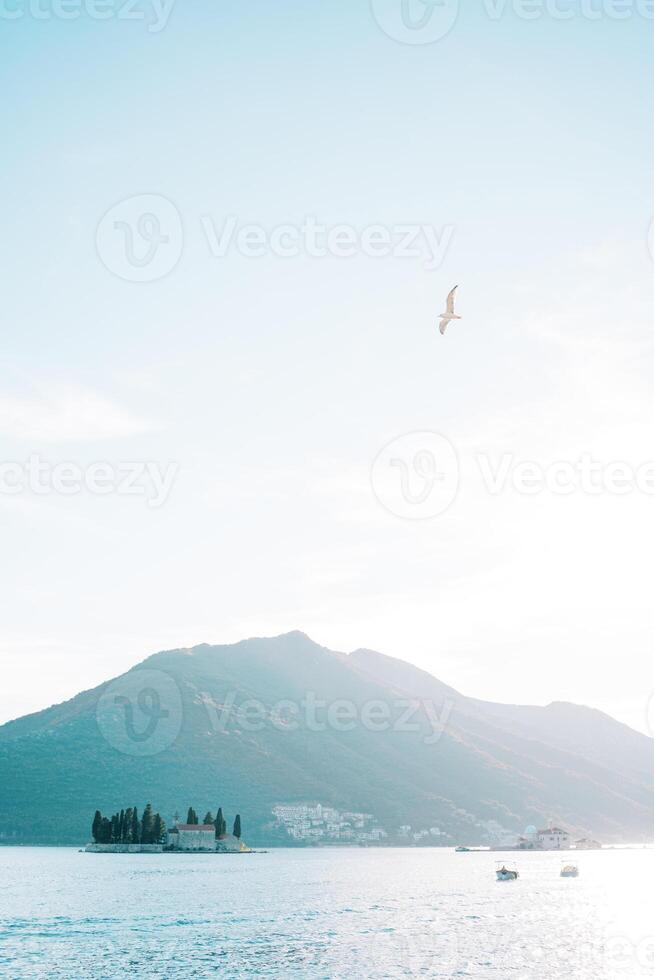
x=201 y=838
x=192 y=837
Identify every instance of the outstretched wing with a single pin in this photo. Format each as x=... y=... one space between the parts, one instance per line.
x=450 y=301
x=444 y=324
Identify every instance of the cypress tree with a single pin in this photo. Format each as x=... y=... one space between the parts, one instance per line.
x=96 y=826
x=147 y=825
x=158 y=829
x=125 y=827
x=221 y=826
x=208 y=817
x=192 y=817
x=237 y=826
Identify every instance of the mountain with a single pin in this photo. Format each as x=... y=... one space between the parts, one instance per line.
x=284 y=720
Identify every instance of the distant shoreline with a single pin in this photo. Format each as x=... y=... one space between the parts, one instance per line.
x=81 y=848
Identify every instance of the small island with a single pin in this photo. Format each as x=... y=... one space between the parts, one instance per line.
x=127 y=833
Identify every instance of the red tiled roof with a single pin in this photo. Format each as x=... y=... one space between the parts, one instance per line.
x=206 y=827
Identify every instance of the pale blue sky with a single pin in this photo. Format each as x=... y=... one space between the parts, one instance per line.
x=274 y=383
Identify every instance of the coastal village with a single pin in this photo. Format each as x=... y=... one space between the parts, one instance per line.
x=315 y=823
x=319 y=823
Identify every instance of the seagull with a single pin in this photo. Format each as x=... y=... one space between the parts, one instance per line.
x=449 y=315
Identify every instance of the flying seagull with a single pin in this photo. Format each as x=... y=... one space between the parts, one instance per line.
x=449 y=315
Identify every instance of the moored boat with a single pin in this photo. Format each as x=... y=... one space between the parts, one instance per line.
x=506 y=874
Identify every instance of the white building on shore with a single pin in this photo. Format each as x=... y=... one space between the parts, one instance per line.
x=550 y=839
x=553 y=839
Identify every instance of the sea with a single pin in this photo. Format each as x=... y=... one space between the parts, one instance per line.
x=324 y=913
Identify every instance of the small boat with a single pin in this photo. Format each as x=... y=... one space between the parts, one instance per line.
x=570 y=871
x=506 y=874
x=462 y=850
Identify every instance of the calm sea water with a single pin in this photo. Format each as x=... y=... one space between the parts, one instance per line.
x=323 y=914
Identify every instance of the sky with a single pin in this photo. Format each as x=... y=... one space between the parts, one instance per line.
x=225 y=407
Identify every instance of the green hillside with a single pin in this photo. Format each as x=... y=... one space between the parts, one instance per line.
x=195 y=727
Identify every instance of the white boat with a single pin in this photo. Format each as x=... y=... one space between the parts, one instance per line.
x=506 y=874
x=570 y=871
